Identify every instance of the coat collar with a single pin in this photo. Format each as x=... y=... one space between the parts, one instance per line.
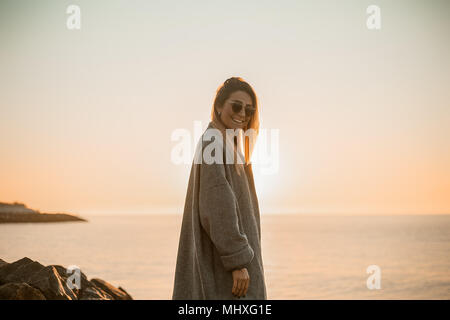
x=229 y=141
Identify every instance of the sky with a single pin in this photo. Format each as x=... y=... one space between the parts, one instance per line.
x=363 y=116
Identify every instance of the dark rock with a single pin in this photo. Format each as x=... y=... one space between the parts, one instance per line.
x=53 y=283
x=18 y=212
x=94 y=293
x=38 y=217
x=19 y=271
x=20 y=291
x=129 y=297
x=116 y=293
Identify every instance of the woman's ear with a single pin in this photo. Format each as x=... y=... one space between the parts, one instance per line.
x=219 y=110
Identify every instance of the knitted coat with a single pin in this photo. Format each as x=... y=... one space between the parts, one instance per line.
x=220 y=231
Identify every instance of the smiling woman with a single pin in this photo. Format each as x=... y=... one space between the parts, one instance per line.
x=233 y=114
x=219 y=252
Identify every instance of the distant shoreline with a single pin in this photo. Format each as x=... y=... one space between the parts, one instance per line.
x=19 y=213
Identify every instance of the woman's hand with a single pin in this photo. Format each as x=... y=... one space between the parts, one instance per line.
x=241 y=280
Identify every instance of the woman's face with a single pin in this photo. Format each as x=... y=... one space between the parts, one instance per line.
x=231 y=119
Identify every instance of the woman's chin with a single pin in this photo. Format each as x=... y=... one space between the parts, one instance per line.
x=234 y=126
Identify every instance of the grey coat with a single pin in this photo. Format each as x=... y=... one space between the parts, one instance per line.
x=220 y=232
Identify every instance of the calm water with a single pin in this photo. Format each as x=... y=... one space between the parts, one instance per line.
x=305 y=256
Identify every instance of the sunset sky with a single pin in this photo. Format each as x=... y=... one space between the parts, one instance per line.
x=86 y=116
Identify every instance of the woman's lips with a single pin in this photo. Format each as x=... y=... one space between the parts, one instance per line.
x=238 y=121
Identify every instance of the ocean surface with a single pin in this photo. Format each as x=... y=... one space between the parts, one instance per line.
x=305 y=256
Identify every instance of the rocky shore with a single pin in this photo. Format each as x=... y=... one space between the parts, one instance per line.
x=26 y=279
x=18 y=212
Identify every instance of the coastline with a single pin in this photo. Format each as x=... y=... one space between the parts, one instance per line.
x=38 y=217
x=19 y=213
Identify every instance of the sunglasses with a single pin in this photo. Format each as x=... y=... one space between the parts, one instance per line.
x=237 y=107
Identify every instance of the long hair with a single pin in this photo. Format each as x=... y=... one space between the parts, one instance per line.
x=223 y=93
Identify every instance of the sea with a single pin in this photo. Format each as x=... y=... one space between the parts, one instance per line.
x=305 y=256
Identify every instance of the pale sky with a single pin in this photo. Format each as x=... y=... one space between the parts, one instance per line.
x=86 y=115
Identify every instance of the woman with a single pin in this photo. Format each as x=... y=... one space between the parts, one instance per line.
x=219 y=253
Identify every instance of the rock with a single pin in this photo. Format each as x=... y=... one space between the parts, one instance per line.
x=9 y=217
x=52 y=285
x=46 y=279
x=116 y=293
x=18 y=212
x=15 y=207
x=19 y=271
x=94 y=293
x=20 y=291
x=25 y=279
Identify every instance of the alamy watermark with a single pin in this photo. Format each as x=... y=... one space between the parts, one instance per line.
x=374 y=280
x=264 y=147
x=373 y=21
x=73 y=21
x=74 y=280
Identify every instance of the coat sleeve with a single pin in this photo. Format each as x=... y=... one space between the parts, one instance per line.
x=219 y=218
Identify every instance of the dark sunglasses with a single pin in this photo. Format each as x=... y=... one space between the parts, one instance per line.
x=237 y=107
